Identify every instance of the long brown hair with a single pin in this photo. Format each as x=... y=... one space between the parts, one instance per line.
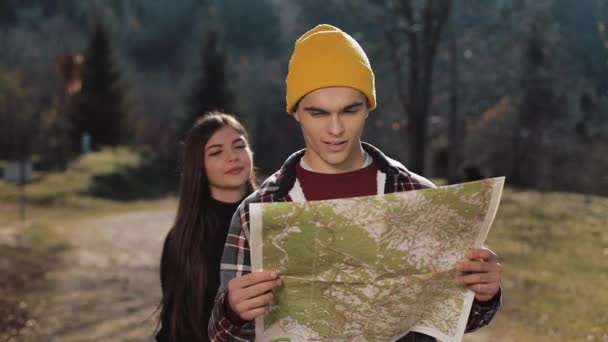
x=184 y=260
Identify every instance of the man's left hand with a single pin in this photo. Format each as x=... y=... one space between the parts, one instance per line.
x=480 y=272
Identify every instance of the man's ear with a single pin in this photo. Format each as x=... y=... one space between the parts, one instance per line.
x=368 y=106
x=296 y=116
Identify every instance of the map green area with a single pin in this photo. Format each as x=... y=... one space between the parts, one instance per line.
x=371 y=268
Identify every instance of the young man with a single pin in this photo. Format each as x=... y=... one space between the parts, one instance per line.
x=330 y=92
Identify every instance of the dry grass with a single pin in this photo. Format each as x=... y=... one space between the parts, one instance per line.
x=554 y=248
x=56 y=203
x=66 y=188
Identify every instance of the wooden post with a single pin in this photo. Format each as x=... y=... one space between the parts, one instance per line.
x=22 y=181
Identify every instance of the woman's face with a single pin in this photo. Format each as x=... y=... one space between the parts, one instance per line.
x=228 y=161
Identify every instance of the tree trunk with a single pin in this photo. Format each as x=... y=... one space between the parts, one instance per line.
x=455 y=131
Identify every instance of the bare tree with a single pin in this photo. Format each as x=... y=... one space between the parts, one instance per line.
x=602 y=21
x=413 y=30
x=455 y=131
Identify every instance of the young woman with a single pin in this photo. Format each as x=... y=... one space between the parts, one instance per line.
x=217 y=173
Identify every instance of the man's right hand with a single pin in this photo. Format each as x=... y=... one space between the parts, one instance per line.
x=249 y=295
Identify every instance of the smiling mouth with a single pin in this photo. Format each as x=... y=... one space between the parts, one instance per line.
x=339 y=143
x=335 y=147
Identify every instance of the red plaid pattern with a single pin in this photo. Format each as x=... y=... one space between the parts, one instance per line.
x=236 y=260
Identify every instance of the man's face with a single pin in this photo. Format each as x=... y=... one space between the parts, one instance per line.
x=332 y=121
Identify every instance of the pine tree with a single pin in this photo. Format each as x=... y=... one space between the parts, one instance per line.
x=100 y=108
x=211 y=90
x=540 y=113
x=17 y=117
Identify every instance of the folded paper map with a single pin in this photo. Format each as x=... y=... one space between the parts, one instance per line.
x=371 y=268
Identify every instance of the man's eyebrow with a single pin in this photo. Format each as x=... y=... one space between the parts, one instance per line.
x=352 y=106
x=315 y=109
x=321 y=110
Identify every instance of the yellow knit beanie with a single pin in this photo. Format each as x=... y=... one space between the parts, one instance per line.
x=328 y=57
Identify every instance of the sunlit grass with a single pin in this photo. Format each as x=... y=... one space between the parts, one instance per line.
x=62 y=187
x=554 y=248
x=58 y=200
x=35 y=246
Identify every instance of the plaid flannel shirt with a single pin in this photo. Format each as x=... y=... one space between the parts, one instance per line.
x=236 y=260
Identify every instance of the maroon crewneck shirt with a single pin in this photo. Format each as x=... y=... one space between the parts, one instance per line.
x=323 y=186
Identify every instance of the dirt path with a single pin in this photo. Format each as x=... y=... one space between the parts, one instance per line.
x=106 y=287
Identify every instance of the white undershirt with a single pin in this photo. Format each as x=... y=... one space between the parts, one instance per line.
x=367 y=161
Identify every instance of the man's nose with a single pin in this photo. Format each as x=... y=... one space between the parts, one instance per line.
x=336 y=126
